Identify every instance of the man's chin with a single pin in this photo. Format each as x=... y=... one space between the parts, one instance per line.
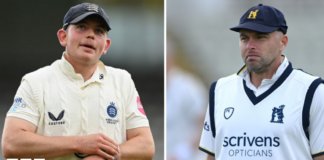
x=254 y=67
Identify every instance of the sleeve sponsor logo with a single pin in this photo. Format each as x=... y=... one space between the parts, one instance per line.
x=140 y=106
x=18 y=103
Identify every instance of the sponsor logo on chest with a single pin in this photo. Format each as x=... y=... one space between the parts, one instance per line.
x=56 y=120
x=257 y=145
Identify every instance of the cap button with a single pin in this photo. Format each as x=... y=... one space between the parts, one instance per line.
x=260 y=4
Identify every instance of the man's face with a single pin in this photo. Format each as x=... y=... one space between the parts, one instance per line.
x=86 y=41
x=260 y=50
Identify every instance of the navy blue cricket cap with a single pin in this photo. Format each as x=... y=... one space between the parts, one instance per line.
x=79 y=12
x=262 y=18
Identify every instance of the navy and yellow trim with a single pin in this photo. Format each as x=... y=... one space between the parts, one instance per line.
x=241 y=70
x=318 y=154
x=206 y=151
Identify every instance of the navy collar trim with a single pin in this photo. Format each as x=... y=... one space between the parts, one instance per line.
x=255 y=100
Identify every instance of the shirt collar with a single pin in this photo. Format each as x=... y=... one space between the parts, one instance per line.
x=244 y=73
x=98 y=76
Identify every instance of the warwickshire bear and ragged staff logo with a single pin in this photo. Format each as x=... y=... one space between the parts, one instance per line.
x=277 y=114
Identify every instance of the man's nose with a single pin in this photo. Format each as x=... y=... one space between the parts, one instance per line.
x=91 y=34
x=251 y=44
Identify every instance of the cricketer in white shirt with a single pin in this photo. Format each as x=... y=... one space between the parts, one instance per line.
x=281 y=119
x=60 y=103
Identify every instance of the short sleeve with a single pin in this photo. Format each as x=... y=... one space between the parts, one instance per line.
x=135 y=114
x=23 y=105
x=207 y=140
x=316 y=127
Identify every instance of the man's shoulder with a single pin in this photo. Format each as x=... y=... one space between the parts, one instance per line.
x=303 y=76
x=40 y=74
x=117 y=72
x=228 y=80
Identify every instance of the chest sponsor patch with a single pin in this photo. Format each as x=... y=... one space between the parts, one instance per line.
x=56 y=120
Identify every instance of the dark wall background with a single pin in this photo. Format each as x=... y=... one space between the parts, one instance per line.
x=28 y=41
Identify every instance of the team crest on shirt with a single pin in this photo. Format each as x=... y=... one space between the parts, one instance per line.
x=112 y=112
x=228 y=112
x=277 y=114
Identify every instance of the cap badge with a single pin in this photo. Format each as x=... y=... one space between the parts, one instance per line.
x=92 y=8
x=253 y=14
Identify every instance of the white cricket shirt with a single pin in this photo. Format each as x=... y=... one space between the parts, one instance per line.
x=269 y=124
x=60 y=103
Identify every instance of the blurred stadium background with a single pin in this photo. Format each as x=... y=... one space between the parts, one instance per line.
x=28 y=41
x=200 y=42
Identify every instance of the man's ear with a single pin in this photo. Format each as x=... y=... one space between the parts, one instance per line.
x=61 y=34
x=284 y=42
x=107 y=45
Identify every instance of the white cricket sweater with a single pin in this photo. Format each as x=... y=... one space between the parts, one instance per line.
x=108 y=103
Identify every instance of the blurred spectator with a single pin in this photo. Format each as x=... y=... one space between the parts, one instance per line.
x=186 y=105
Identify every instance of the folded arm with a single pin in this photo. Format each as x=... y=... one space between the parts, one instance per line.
x=139 y=145
x=19 y=140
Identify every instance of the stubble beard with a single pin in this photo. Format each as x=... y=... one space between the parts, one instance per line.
x=260 y=66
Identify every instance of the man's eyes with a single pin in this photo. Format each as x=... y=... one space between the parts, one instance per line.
x=81 y=27
x=99 y=31
x=243 y=38
x=261 y=37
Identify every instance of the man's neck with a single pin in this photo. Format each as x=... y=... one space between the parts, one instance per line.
x=86 y=70
x=256 y=78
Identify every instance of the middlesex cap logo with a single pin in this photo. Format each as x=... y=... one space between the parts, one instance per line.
x=228 y=112
x=92 y=7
